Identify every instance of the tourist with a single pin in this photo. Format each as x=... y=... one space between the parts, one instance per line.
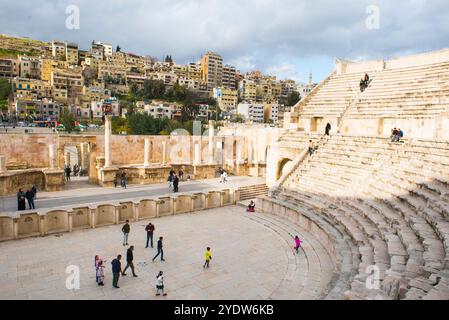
x=160 y=250
x=181 y=175
x=224 y=177
x=328 y=128
x=21 y=205
x=251 y=207
x=99 y=272
x=175 y=183
x=125 y=229
x=362 y=85
x=30 y=198
x=208 y=258
x=400 y=135
x=297 y=244
x=311 y=147
x=34 y=190
x=129 y=261
x=170 y=180
x=150 y=230
x=123 y=179
x=116 y=270
x=160 y=284
x=67 y=172
x=395 y=135
x=117 y=177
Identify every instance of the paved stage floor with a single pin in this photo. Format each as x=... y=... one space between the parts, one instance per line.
x=253 y=258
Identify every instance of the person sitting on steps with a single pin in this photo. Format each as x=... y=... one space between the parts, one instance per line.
x=251 y=207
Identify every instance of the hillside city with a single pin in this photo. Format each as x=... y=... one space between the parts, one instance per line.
x=48 y=83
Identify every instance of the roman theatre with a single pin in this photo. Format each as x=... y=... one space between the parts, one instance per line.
x=373 y=214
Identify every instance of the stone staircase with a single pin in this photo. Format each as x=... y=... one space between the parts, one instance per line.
x=391 y=200
x=252 y=192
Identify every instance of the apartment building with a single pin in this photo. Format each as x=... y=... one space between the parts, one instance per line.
x=212 y=70
x=226 y=98
x=30 y=67
x=30 y=89
x=110 y=106
x=66 y=85
x=111 y=69
x=107 y=48
x=251 y=112
x=71 y=54
x=194 y=72
x=247 y=90
x=9 y=68
x=229 y=76
x=58 y=49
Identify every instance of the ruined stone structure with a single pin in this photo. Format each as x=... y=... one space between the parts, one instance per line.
x=379 y=205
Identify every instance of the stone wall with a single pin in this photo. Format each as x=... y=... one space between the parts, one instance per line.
x=31 y=224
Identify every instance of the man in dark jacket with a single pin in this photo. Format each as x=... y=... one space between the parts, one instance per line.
x=176 y=184
x=125 y=229
x=150 y=230
x=30 y=198
x=116 y=270
x=328 y=128
x=160 y=251
x=129 y=261
x=21 y=205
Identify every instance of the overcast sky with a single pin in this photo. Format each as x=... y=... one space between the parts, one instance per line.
x=288 y=38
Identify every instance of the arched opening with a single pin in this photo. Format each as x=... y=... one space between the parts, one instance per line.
x=282 y=167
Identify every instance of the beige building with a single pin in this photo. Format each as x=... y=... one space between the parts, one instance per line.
x=227 y=98
x=9 y=68
x=229 y=77
x=194 y=72
x=247 y=90
x=66 y=85
x=58 y=49
x=212 y=70
x=30 y=67
x=71 y=54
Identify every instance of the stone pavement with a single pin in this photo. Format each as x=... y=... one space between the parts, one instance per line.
x=252 y=255
x=79 y=192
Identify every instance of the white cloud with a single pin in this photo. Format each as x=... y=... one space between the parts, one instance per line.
x=251 y=33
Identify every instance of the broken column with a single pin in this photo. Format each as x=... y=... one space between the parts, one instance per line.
x=2 y=164
x=52 y=155
x=107 y=141
x=164 y=152
x=147 y=153
x=211 y=141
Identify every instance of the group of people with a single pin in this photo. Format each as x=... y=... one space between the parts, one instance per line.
x=23 y=197
x=173 y=180
x=122 y=178
x=223 y=175
x=76 y=170
x=116 y=263
x=364 y=82
x=396 y=135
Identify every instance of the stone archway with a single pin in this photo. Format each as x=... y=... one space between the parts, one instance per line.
x=282 y=166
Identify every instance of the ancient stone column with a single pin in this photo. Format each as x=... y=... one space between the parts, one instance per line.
x=52 y=154
x=83 y=154
x=197 y=155
x=2 y=163
x=67 y=159
x=107 y=141
x=164 y=152
x=211 y=141
x=147 y=151
x=238 y=151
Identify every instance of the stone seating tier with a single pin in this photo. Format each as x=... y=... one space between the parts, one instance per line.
x=392 y=200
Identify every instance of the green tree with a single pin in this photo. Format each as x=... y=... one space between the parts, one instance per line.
x=293 y=98
x=5 y=89
x=67 y=119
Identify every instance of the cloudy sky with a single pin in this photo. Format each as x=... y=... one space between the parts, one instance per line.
x=289 y=38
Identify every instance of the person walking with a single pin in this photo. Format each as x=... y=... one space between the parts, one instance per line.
x=126 y=229
x=34 y=190
x=21 y=205
x=297 y=244
x=99 y=272
x=67 y=173
x=208 y=258
x=170 y=180
x=160 y=250
x=117 y=177
x=123 y=180
x=116 y=270
x=129 y=261
x=150 y=230
x=30 y=198
x=328 y=129
x=175 y=183
x=160 y=284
